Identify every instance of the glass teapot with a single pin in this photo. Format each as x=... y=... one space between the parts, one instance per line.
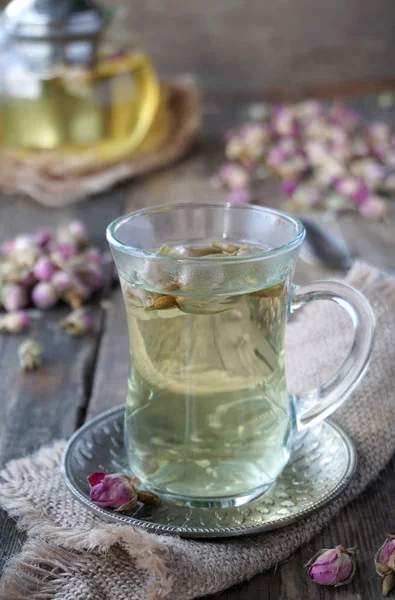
x=69 y=82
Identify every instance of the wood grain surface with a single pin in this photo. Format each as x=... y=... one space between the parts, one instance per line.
x=82 y=377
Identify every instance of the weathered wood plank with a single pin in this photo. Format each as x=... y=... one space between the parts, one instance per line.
x=50 y=403
x=250 y=45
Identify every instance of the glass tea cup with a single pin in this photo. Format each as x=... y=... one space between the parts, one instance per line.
x=208 y=289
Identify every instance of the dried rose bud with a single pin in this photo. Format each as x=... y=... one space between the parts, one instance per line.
x=78 y=230
x=44 y=269
x=238 y=196
x=90 y=274
x=8 y=247
x=44 y=295
x=14 y=322
x=30 y=355
x=65 y=250
x=234 y=176
x=14 y=297
x=25 y=243
x=62 y=281
x=43 y=237
x=289 y=186
x=335 y=566
x=385 y=564
x=94 y=255
x=379 y=132
x=374 y=208
x=27 y=279
x=116 y=491
x=78 y=322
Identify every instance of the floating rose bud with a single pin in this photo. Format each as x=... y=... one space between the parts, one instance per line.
x=115 y=491
x=44 y=269
x=335 y=566
x=374 y=208
x=14 y=297
x=239 y=196
x=43 y=237
x=78 y=322
x=30 y=355
x=14 y=322
x=44 y=295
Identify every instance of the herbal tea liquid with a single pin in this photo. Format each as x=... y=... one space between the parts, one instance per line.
x=206 y=407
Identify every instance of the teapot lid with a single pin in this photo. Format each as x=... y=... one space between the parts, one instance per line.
x=43 y=19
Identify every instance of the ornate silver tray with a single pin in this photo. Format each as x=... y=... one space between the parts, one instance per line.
x=322 y=464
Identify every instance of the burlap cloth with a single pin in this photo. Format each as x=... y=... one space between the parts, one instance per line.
x=72 y=555
x=56 y=180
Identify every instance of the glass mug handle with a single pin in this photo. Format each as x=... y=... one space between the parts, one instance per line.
x=331 y=394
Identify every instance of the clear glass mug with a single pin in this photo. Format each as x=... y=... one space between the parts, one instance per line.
x=209 y=421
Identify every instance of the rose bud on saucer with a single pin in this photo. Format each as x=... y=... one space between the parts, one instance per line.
x=115 y=491
x=334 y=566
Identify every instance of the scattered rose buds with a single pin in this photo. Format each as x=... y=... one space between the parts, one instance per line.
x=313 y=146
x=78 y=322
x=385 y=564
x=334 y=566
x=41 y=269
x=30 y=355
x=117 y=491
x=14 y=322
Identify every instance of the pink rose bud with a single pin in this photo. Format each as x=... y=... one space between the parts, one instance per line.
x=347 y=186
x=379 y=132
x=116 y=491
x=14 y=297
x=276 y=156
x=234 y=176
x=234 y=148
x=78 y=230
x=43 y=237
x=44 y=295
x=373 y=208
x=77 y=322
x=8 y=247
x=14 y=322
x=44 y=269
x=289 y=186
x=28 y=279
x=361 y=194
x=385 y=564
x=94 y=255
x=62 y=281
x=239 y=196
x=332 y=567
x=25 y=243
x=66 y=250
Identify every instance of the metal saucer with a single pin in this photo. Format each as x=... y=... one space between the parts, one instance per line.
x=322 y=464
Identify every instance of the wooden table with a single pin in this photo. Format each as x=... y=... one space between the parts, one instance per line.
x=84 y=376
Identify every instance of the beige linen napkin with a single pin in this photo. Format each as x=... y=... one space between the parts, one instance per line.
x=72 y=555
